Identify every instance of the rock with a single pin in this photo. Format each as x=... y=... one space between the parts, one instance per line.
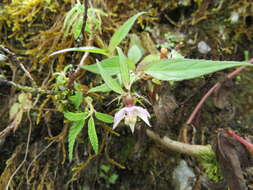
x=203 y=47
x=183 y=177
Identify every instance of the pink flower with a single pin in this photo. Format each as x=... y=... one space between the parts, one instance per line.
x=130 y=113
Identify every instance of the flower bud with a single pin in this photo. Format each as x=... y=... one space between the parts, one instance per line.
x=128 y=100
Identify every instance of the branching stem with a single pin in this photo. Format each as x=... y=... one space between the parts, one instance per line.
x=32 y=90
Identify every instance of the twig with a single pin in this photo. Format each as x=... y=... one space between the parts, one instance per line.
x=77 y=72
x=4 y=133
x=211 y=90
x=36 y=157
x=13 y=58
x=27 y=88
x=171 y=21
x=203 y=99
x=26 y=152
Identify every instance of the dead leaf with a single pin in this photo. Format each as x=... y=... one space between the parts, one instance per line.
x=233 y=158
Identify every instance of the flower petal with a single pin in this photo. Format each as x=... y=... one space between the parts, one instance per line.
x=131 y=117
x=118 y=117
x=132 y=127
x=143 y=114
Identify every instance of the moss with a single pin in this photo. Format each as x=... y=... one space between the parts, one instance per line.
x=21 y=15
x=210 y=165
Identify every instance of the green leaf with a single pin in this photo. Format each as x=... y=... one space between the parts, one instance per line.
x=134 y=54
x=77 y=27
x=71 y=116
x=90 y=49
x=77 y=99
x=181 y=69
x=70 y=24
x=131 y=64
x=122 y=32
x=93 y=22
x=93 y=135
x=124 y=70
x=100 y=88
x=175 y=54
x=15 y=108
x=113 y=178
x=147 y=60
x=105 y=168
x=110 y=65
x=73 y=20
x=25 y=100
x=151 y=58
x=67 y=24
x=135 y=40
x=113 y=84
x=17 y=120
x=104 y=117
x=74 y=130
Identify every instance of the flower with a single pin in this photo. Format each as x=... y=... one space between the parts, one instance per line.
x=130 y=113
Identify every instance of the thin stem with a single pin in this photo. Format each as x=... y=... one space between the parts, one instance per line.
x=76 y=73
x=14 y=60
x=201 y=102
x=26 y=152
x=36 y=157
x=27 y=88
x=211 y=90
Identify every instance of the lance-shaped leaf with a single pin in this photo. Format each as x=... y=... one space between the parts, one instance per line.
x=77 y=27
x=122 y=32
x=100 y=88
x=71 y=116
x=90 y=49
x=74 y=19
x=77 y=99
x=93 y=134
x=73 y=132
x=104 y=117
x=181 y=69
x=113 y=84
x=134 y=53
x=124 y=70
x=110 y=65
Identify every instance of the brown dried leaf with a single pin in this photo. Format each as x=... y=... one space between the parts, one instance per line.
x=232 y=157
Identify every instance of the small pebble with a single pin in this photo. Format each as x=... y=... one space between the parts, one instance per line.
x=203 y=47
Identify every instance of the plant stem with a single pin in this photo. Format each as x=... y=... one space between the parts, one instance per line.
x=27 y=88
x=191 y=150
x=211 y=90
